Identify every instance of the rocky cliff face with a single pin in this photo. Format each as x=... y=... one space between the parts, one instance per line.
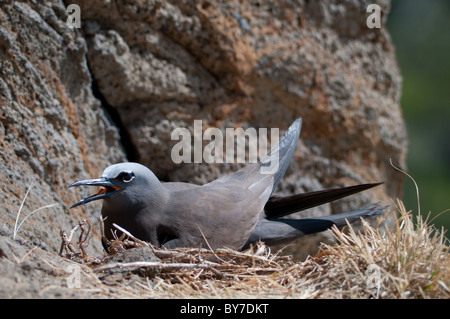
x=74 y=101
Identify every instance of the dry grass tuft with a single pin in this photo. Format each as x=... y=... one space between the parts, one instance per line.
x=407 y=260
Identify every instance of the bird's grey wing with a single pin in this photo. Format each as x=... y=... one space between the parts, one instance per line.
x=214 y=215
x=278 y=158
x=217 y=214
x=285 y=149
x=282 y=231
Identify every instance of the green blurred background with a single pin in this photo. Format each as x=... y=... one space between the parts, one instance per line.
x=420 y=31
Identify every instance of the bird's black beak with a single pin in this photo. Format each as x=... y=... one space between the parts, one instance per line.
x=108 y=188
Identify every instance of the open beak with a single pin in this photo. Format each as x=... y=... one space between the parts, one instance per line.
x=107 y=189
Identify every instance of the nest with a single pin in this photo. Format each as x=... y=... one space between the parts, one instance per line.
x=189 y=272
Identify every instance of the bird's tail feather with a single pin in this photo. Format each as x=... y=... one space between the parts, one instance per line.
x=350 y=217
x=282 y=206
x=281 y=231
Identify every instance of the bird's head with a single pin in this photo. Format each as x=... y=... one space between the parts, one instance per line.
x=123 y=183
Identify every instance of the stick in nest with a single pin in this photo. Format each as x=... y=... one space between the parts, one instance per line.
x=160 y=265
x=67 y=249
x=117 y=244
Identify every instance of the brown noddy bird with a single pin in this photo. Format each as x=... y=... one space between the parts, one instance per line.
x=234 y=211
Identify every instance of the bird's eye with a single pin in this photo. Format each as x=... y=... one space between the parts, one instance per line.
x=126 y=176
